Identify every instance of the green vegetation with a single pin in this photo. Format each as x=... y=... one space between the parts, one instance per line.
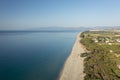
x=113 y=48
x=100 y=62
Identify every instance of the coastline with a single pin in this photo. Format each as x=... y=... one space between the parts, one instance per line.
x=74 y=66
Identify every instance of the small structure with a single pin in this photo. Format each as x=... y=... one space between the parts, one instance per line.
x=109 y=43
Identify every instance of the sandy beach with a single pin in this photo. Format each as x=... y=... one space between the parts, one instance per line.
x=73 y=67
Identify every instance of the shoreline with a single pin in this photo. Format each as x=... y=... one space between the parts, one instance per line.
x=74 y=66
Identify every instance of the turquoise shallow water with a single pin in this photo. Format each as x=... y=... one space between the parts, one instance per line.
x=34 y=56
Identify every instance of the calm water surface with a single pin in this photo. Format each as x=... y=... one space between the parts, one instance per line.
x=34 y=56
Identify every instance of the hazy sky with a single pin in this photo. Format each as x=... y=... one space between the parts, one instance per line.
x=18 y=14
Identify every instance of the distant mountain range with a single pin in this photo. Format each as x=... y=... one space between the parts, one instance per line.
x=52 y=29
x=106 y=28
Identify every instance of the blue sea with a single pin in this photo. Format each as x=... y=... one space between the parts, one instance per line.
x=34 y=55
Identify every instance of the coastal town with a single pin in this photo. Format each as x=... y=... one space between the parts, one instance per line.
x=104 y=37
